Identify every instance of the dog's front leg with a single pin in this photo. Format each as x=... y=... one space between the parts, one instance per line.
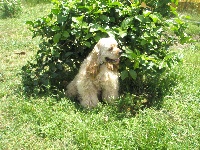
x=110 y=91
x=88 y=95
x=110 y=96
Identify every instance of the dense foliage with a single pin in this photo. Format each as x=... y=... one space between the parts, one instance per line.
x=72 y=29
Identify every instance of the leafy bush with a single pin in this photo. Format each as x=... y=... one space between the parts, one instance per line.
x=72 y=29
x=11 y=8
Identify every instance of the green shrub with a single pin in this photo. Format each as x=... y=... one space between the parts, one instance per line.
x=72 y=29
x=11 y=8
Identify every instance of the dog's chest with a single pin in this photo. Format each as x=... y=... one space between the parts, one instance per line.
x=106 y=76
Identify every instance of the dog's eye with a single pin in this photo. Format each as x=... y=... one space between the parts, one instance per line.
x=110 y=49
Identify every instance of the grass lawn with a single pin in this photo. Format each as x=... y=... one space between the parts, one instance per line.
x=46 y=123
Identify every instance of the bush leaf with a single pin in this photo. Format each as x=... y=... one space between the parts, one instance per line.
x=133 y=74
x=56 y=37
x=124 y=74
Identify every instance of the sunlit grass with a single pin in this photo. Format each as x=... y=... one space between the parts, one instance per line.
x=48 y=123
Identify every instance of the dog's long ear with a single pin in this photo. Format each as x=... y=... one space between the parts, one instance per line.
x=113 y=67
x=92 y=67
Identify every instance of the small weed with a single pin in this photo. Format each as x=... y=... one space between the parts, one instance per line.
x=11 y=8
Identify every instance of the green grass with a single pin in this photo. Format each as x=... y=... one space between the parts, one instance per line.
x=193 y=24
x=48 y=123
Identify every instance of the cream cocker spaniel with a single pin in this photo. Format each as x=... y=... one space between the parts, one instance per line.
x=98 y=75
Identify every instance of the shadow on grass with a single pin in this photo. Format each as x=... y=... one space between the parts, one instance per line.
x=129 y=104
x=151 y=94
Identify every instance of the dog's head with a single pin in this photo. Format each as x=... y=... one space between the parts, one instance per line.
x=108 y=52
x=105 y=52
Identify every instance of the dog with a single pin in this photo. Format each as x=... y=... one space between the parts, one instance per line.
x=98 y=75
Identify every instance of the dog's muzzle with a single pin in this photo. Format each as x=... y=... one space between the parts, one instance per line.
x=112 y=61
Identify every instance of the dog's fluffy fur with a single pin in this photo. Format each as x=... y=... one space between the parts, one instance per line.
x=98 y=75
